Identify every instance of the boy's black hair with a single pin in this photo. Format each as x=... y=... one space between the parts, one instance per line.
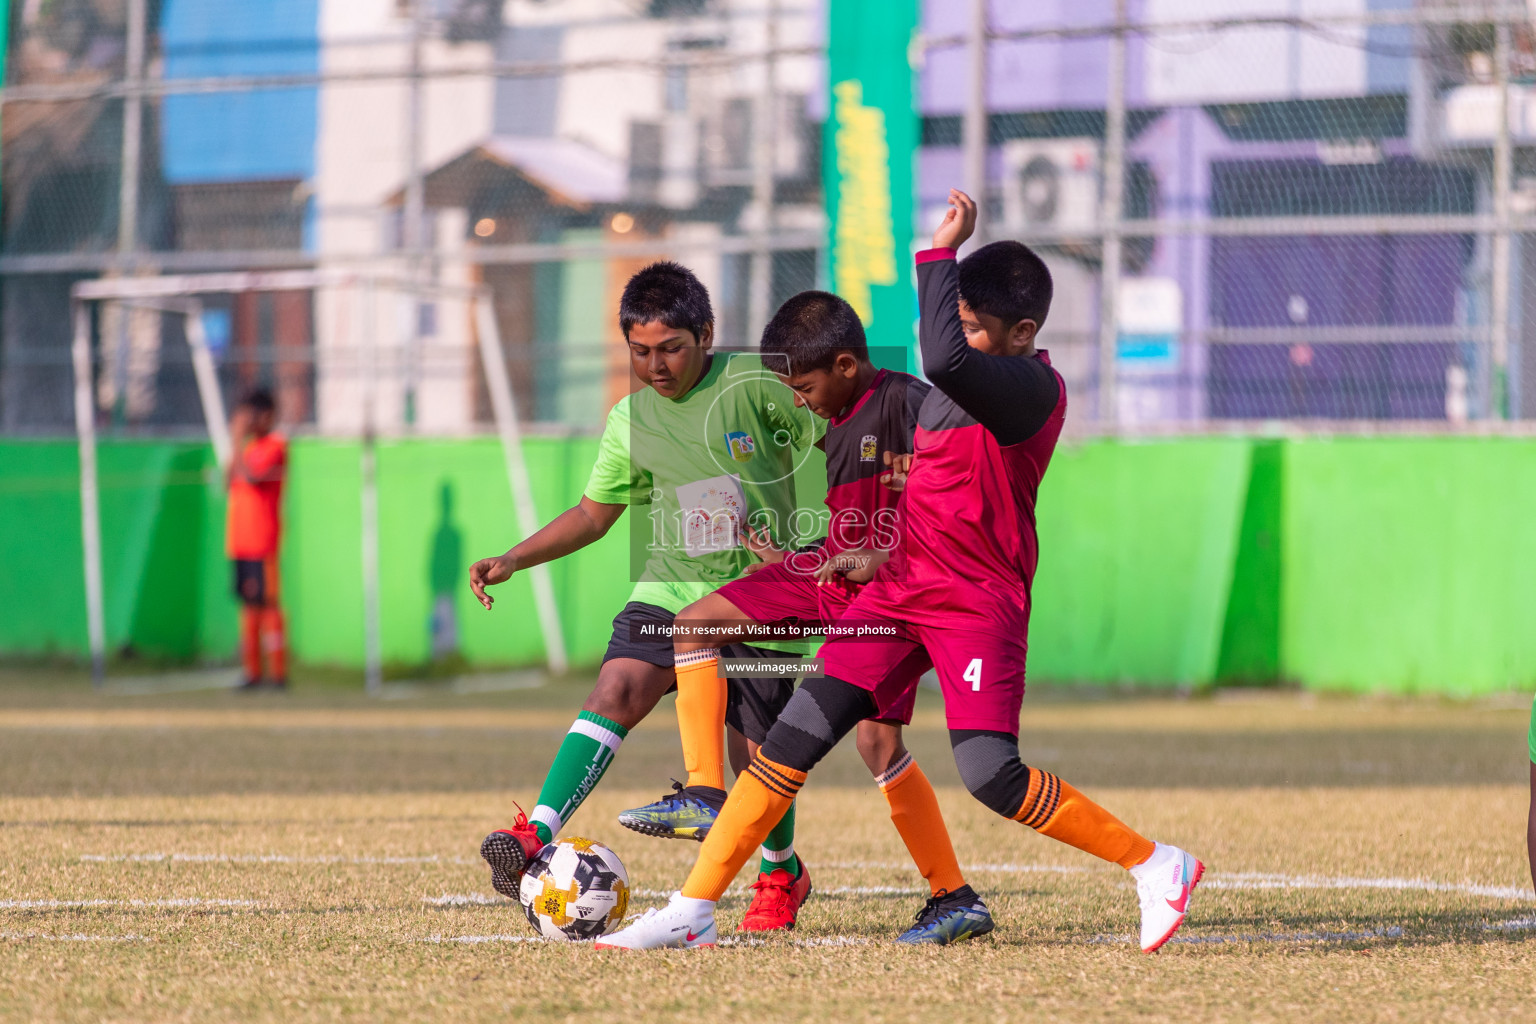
x=1006 y=280
x=668 y=293
x=259 y=399
x=810 y=329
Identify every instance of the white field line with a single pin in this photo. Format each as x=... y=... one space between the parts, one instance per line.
x=483 y=899
x=1280 y=938
x=181 y=682
x=490 y=682
x=825 y=940
x=466 y=899
x=1010 y=869
x=836 y=890
x=188 y=901
x=479 y=899
x=1250 y=879
x=1213 y=880
x=260 y=858
x=1350 y=936
x=1519 y=924
x=830 y=940
x=1274 y=937
x=26 y=936
x=1257 y=880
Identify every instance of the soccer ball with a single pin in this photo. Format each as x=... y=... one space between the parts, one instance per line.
x=575 y=890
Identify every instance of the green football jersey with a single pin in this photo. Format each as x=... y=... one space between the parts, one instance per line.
x=704 y=466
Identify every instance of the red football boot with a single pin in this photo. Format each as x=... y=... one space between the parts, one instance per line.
x=508 y=851
x=777 y=901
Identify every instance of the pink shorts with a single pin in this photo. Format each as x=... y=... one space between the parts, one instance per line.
x=980 y=674
x=787 y=592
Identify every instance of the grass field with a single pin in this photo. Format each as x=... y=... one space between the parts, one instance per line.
x=312 y=856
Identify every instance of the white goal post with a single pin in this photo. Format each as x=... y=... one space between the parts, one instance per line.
x=181 y=295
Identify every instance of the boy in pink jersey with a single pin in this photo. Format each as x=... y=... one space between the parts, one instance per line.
x=956 y=592
x=816 y=343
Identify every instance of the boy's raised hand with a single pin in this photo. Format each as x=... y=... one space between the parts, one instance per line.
x=959 y=221
x=486 y=573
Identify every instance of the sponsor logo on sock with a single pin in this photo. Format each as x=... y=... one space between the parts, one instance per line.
x=584 y=788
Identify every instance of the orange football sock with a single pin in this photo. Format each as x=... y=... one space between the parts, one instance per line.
x=275 y=632
x=758 y=800
x=1054 y=808
x=915 y=813
x=701 y=717
x=250 y=640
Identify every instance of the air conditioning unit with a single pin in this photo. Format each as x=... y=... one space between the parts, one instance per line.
x=664 y=161
x=1050 y=185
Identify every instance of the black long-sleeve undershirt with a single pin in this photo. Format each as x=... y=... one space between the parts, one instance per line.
x=1012 y=396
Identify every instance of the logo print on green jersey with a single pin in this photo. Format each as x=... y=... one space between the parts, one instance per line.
x=740 y=445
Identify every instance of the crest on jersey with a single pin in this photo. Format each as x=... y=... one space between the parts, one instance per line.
x=740 y=444
x=867 y=446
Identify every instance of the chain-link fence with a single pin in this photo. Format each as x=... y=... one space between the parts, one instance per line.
x=543 y=150
x=1317 y=212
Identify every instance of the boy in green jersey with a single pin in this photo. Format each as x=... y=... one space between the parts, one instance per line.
x=709 y=447
x=1530 y=821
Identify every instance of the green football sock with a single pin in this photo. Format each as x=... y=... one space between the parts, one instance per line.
x=584 y=756
x=779 y=847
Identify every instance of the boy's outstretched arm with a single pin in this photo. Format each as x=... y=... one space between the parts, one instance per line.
x=1011 y=396
x=571 y=530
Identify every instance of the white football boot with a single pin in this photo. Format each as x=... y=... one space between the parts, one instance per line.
x=682 y=924
x=1164 y=882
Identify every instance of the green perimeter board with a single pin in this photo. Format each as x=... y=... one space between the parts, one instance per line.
x=1410 y=564
x=1250 y=637
x=1137 y=544
x=418 y=532
x=1401 y=564
x=167 y=580
x=321 y=557
x=157 y=500
x=42 y=589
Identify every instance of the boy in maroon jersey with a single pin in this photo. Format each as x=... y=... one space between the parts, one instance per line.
x=957 y=592
x=817 y=345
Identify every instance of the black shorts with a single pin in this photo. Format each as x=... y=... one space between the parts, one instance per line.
x=644 y=632
x=250 y=580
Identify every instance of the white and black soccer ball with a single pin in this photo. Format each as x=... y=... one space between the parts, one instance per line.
x=575 y=890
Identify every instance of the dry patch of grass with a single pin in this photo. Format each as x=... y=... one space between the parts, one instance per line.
x=1366 y=866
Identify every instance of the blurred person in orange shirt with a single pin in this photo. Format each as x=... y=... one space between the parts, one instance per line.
x=254 y=529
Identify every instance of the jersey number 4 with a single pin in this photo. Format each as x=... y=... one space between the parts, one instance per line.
x=973 y=674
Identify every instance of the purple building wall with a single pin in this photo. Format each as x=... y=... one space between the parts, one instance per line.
x=1200 y=170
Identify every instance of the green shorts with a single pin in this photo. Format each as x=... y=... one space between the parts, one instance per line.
x=1532 y=738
